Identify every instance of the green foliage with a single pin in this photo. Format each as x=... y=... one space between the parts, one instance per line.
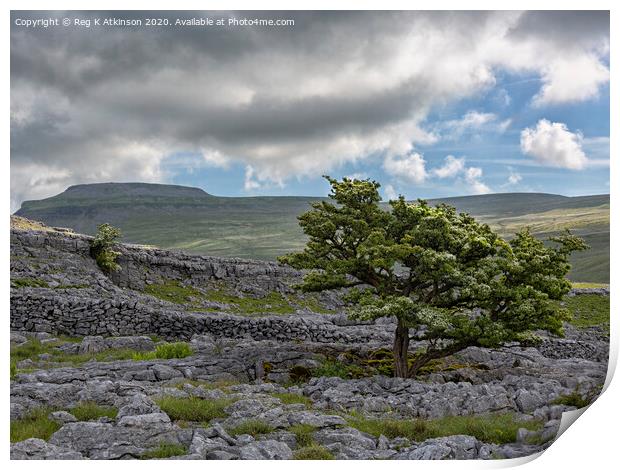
x=28 y=282
x=292 y=398
x=88 y=411
x=313 y=452
x=35 y=424
x=303 y=434
x=165 y=450
x=101 y=248
x=253 y=427
x=493 y=428
x=432 y=268
x=193 y=409
x=176 y=350
x=588 y=310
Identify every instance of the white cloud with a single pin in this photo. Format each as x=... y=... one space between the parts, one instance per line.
x=410 y=168
x=473 y=122
x=513 y=177
x=455 y=168
x=451 y=168
x=357 y=176
x=473 y=177
x=336 y=89
x=572 y=79
x=552 y=144
x=250 y=183
x=390 y=192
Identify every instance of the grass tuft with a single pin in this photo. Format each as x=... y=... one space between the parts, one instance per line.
x=574 y=399
x=34 y=424
x=292 y=398
x=88 y=411
x=253 y=427
x=164 y=450
x=313 y=452
x=303 y=434
x=176 y=350
x=28 y=282
x=193 y=409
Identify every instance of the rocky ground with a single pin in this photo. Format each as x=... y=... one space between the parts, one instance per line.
x=229 y=388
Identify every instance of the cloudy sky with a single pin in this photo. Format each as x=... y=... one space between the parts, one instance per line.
x=430 y=104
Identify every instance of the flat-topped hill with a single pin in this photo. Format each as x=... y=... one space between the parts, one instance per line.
x=172 y=216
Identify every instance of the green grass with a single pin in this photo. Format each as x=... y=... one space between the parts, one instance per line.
x=89 y=411
x=272 y=303
x=253 y=427
x=588 y=310
x=33 y=347
x=303 y=434
x=589 y=285
x=34 y=424
x=165 y=450
x=311 y=303
x=193 y=409
x=28 y=282
x=177 y=350
x=574 y=399
x=292 y=398
x=173 y=291
x=313 y=452
x=493 y=428
x=220 y=384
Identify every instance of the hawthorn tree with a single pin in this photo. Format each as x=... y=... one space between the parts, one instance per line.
x=442 y=274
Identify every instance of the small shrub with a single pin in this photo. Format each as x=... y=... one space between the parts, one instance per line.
x=299 y=374
x=193 y=408
x=88 y=411
x=34 y=424
x=253 y=427
x=165 y=450
x=333 y=368
x=303 y=434
x=101 y=248
x=313 y=452
x=176 y=350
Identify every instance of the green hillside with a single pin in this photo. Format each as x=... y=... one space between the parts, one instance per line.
x=186 y=218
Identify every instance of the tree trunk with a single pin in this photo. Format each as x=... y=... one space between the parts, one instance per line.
x=418 y=363
x=428 y=356
x=401 y=349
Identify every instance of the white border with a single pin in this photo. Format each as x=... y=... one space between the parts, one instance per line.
x=591 y=443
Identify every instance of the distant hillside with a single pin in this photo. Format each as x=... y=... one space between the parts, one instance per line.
x=186 y=218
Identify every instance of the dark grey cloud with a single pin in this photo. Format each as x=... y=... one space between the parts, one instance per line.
x=112 y=102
